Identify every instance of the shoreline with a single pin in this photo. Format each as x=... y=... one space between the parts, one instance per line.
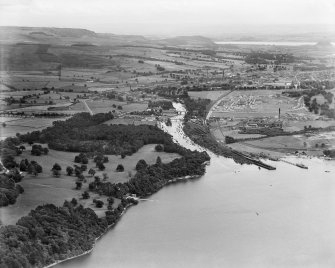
x=95 y=241
x=175 y=180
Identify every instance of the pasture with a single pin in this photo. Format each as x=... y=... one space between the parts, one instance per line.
x=105 y=106
x=23 y=125
x=45 y=188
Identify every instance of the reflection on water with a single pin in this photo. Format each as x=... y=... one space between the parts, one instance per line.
x=234 y=216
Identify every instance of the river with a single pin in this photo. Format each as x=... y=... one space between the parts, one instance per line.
x=233 y=216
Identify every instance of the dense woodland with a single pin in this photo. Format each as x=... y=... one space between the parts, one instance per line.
x=266 y=58
x=149 y=179
x=196 y=108
x=49 y=234
x=85 y=133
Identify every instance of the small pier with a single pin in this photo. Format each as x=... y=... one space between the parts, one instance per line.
x=294 y=164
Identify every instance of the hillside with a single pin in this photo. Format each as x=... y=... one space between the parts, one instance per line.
x=45 y=49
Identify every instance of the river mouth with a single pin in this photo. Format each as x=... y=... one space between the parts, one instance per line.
x=233 y=216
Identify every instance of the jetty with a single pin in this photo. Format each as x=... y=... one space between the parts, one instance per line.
x=294 y=164
x=254 y=161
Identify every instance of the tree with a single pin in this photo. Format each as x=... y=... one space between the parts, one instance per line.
x=74 y=202
x=69 y=171
x=119 y=168
x=168 y=122
x=159 y=148
x=23 y=166
x=83 y=167
x=97 y=179
x=31 y=169
x=38 y=168
x=158 y=161
x=99 y=203
x=84 y=160
x=229 y=139
x=36 y=152
x=79 y=184
x=77 y=159
x=100 y=166
x=85 y=195
x=123 y=155
x=77 y=171
x=56 y=170
x=45 y=150
x=81 y=177
x=141 y=164
x=104 y=176
x=91 y=172
x=110 y=200
x=56 y=166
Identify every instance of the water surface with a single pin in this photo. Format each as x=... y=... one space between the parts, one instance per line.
x=234 y=216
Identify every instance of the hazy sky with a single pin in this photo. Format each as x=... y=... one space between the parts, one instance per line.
x=164 y=16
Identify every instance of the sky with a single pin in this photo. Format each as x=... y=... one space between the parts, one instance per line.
x=167 y=16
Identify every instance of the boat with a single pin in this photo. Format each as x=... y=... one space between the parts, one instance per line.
x=301 y=166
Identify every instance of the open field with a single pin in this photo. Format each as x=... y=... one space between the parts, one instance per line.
x=105 y=106
x=220 y=134
x=24 y=125
x=212 y=95
x=281 y=145
x=45 y=188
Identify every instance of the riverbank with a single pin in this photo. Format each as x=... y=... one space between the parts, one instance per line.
x=94 y=244
x=172 y=181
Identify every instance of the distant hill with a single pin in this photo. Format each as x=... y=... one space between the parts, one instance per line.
x=192 y=41
x=324 y=43
x=63 y=36
x=73 y=36
x=43 y=48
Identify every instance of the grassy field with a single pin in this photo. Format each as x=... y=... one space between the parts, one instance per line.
x=104 y=106
x=23 y=125
x=45 y=188
x=310 y=144
x=212 y=95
